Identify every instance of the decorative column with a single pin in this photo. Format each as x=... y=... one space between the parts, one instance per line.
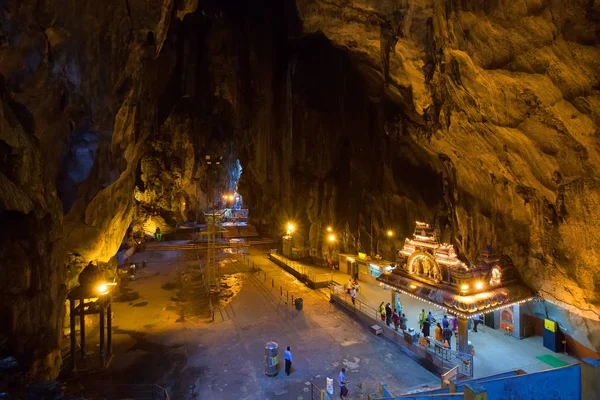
x=102 y=355
x=109 y=329
x=463 y=335
x=82 y=326
x=73 y=335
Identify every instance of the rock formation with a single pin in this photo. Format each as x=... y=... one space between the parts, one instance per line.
x=480 y=116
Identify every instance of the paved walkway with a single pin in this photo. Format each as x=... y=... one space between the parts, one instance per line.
x=494 y=351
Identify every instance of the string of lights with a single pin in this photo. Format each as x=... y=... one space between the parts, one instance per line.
x=456 y=312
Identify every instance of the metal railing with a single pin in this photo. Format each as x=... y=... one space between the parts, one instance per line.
x=206 y=288
x=284 y=293
x=302 y=269
x=448 y=358
x=318 y=394
x=354 y=306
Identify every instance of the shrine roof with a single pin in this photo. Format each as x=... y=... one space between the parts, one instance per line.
x=510 y=293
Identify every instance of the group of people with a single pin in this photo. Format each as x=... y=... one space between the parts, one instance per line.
x=442 y=332
x=352 y=289
x=394 y=316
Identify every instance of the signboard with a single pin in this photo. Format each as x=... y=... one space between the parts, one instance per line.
x=362 y=256
x=550 y=325
x=374 y=270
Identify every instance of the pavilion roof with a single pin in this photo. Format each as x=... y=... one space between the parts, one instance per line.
x=514 y=292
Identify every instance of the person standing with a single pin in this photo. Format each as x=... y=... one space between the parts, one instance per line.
x=422 y=318
x=342 y=383
x=455 y=325
x=388 y=314
x=396 y=319
x=288 y=360
x=382 y=311
x=403 y=320
x=425 y=330
x=445 y=322
x=430 y=318
x=353 y=296
x=438 y=333
x=447 y=335
x=476 y=321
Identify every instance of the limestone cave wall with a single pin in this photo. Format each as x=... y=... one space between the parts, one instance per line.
x=366 y=115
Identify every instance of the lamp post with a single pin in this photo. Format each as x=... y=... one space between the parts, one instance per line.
x=212 y=164
x=331 y=239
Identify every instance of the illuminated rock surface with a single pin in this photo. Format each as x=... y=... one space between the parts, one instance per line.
x=368 y=115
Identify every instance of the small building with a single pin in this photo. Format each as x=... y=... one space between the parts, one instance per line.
x=363 y=267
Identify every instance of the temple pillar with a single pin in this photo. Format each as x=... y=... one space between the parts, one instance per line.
x=463 y=335
x=73 y=335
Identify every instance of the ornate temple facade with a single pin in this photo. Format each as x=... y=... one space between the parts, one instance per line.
x=431 y=271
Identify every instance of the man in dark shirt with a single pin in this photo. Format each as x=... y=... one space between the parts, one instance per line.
x=426 y=326
x=388 y=314
x=447 y=334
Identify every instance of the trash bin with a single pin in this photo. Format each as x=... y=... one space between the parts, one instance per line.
x=271 y=359
x=299 y=304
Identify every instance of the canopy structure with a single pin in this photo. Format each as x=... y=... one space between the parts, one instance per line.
x=431 y=271
x=463 y=306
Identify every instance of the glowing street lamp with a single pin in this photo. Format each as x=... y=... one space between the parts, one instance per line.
x=390 y=233
x=332 y=238
x=479 y=285
x=290 y=228
x=102 y=288
x=329 y=229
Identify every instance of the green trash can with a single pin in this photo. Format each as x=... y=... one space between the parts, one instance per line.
x=299 y=304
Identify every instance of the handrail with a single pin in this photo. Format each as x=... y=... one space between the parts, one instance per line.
x=302 y=269
x=450 y=357
x=282 y=292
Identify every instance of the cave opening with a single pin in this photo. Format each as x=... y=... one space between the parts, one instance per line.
x=349 y=121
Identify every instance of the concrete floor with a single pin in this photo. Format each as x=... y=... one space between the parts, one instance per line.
x=162 y=334
x=494 y=352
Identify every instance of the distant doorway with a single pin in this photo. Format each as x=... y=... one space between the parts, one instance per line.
x=353 y=269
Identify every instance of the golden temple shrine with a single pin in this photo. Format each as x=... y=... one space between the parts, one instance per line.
x=431 y=271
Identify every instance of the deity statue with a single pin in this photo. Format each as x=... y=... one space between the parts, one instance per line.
x=426 y=267
x=436 y=273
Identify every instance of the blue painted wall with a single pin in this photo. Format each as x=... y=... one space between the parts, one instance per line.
x=555 y=384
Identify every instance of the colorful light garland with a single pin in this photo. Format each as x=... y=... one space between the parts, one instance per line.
x=454 y=312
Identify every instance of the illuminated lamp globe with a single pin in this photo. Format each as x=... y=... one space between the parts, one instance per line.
x=328 y=229
x=479 y=285
x=290 y=227
x=102 y=288
x=331 y=238
x=390 y=233
x=464 y=287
